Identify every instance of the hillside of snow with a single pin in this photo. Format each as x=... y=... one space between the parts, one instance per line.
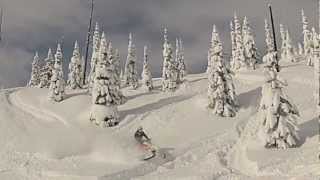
x=44 y=140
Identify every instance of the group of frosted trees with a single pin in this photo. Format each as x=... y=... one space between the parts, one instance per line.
x=105 y=78
x=174 y=69
x=49 y=73
x=244 y=53
x=279 y=115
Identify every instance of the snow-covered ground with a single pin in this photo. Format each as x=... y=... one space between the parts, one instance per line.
x=44 y=140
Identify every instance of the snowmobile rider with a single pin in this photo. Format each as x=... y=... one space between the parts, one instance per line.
x=141 y=136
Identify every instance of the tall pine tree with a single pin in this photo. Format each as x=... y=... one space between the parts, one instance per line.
x=114 y=63
x=35 y=72
x=250 y=48
x=306 y=35
x=239 y=60
x=221 y=91
x=46 y=70
x=169 y=69
x=279 y=114
x=269 y=38
x=146 y=72
x=104 y=110
x=75 y=76
x=57 y=83
x=181 y=66
x=95 y=55
x=130 y=73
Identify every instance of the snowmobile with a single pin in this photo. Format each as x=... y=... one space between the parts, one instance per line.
x=145 y=144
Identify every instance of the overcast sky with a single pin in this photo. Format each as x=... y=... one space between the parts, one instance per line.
x=36 y=25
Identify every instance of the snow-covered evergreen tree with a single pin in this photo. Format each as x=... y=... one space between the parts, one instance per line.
x=279 y=115
x=314 y=39
x=221 y=91
x=95 y=55
x=146 y=72
x=287 y=53
x=83 y=61
x=75 y=76
x=177 y=57
x=269 y=38
x=212 y=45
x=114 y=63
x=169 y=71
x=130 y=73
x=283 y=50
x=57 y=84
x=270 y=58
x=250 y=48
x=316 y=61
x=35 y=72
x=233 y=43
x=119 y=71
x=314 y=45
x=117 y=64
x=306 y=35
x=46 y=70
x=105 y=92
x=239 y=60
x=181 y=66
x=208 y=61
x=282 y=32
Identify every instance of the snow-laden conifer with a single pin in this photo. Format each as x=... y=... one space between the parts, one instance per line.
x=35 y=72
x=46 y=70
x=83 y=61
x=283 y=50
x=146 y=72
x=75 y=76
x=117 y=64
x=269 y=38
x=181 y=66
x=306 y=35
x=270 y=58
x=105 y=92
x=250 y=48
x=314 y=45
x=278 y=114
x=233 y=44
x=114 y=63
x=212 y=45
x=130 y=73
x=57 y=83
x=316 y=61
x=169 y=71
x=287 y=53
x=221 y=91
x=95 y=54
x=239 y=60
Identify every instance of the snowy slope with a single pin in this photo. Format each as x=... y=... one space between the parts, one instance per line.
x=44 y=140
